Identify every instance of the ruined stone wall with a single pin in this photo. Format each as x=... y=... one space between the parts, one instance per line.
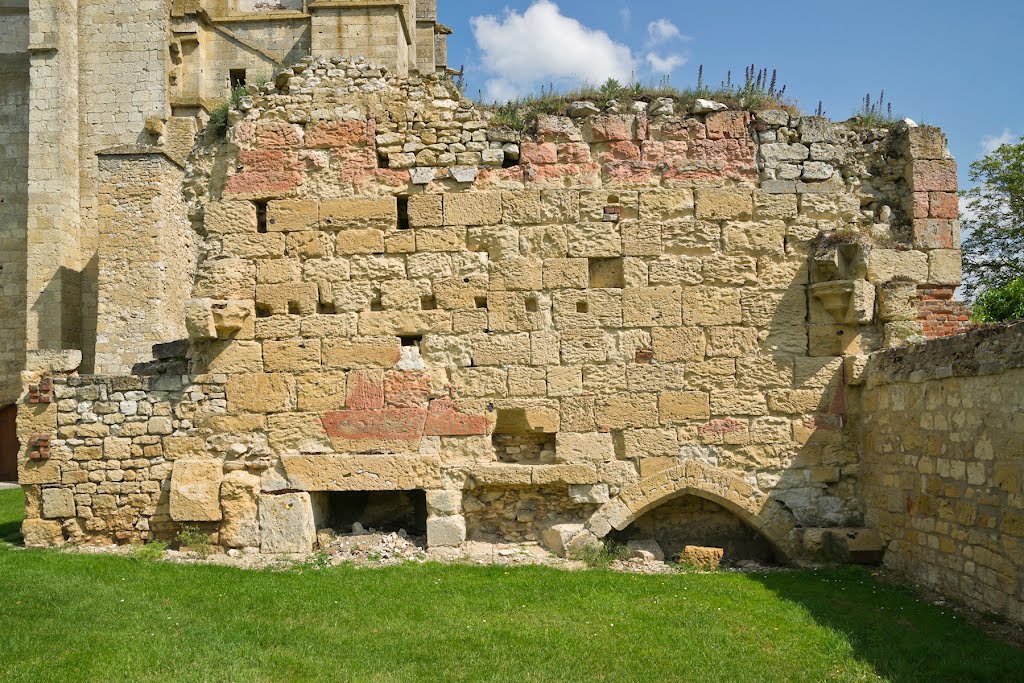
x=623 y=307
x=943 y=434
x=14 y=67
x=146 y=258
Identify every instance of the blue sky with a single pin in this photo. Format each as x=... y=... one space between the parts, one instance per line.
x=952 y=64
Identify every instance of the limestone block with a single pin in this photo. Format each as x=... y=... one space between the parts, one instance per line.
x=764 y=237
x=362 y=472
x=589 y=494
x=711 y=306
x=259 y=246
x=292 y=215
x=39 y=472
x=286 y=523
x=446 y=238
x=945 y=267
x=649 y=443
x=321 y=391
x=298 y=433
x=731 y=402
x=719 y=204
x=594 y=240
x=472 y=208
x=512 y=312
x=501 y=349
x=703 y=557
x=932 y=175
x=229 y=357
x=291 y=355
x=580 y=347
x=652 y=307
x=647 y=550
x=261 y=393
x=516 y=274
x=676 y=270
x=641 y=239
x=662 y=205
x=359 y=241
x=443 y=503
x=927 y=142
x=446 y=532
x=730 y=270
x=896 y=301
x=565 y=273
x=679 y=406
x=199 y=319
x=898 y=332
x=571 y=447
x=292 y=298
x=672 y=344
x=362 y=352
x=885 y=264
x=58 y=503
x=359 y=214
x=425 y=211
x=731 y=342
x=195 y=490
x=42 y=533
x=565 y=540
x=621 y=411
x=239 y=501
x=228 y=217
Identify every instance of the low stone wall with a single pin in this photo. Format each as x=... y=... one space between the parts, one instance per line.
x=943 y=462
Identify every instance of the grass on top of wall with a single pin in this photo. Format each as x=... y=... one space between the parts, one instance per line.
x=80 y=617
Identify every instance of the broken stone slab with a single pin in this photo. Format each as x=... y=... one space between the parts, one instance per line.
x=648 y=550
x=463 y=174
x=58 y=503
x=700 y=556
x=239 y=502
x=286 y=523
x=663 y=106
x=582 y=109
x=589 y=494
x=195 y=490
x=422 y=175
x=702 y=106
x=566 y=539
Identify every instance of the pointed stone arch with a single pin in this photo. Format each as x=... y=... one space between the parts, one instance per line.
x=763 y=514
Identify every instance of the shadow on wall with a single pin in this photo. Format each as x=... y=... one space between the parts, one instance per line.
x=903 y=637
x=64 y=288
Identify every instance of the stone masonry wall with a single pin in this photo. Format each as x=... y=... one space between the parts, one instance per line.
x=943 y=438
x=386 y=279
x=14 y=67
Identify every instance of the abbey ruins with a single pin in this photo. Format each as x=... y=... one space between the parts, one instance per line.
x=370 y=302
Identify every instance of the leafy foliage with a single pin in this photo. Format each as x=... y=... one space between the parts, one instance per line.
x=602 y=555
x=218 y=124
x=154 y=550
x=196 y=540
x=875 y=114
x=994 y=222
x=1001 y=304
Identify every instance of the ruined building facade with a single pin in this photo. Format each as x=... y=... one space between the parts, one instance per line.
x=365 y=294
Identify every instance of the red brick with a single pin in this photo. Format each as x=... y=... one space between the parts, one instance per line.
x=943 y=205
x=407 y=389
x=934 y=176
x=365 y=389
x=728 y=124
x=538 y=153
x=392 y=424
x=611 y=127
x=276 y=135
x=330 y=134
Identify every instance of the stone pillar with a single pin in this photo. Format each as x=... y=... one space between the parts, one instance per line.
x=446 y=526
x=146 y=257
x=53 y=265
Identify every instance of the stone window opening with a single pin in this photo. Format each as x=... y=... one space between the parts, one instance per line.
x=236 y=77
x=403 y=212
x=606 y=273
x=516 y=442
x=261 y=216
x=411 y=340
x=508 y=162
x=359 y=512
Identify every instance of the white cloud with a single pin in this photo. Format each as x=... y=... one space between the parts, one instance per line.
x=662 y=31
x=627 y=18
x=991 y=143
x=542 y=44
x=664 y=65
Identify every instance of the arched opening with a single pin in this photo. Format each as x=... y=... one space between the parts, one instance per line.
x=9 y=443
x=689 y=520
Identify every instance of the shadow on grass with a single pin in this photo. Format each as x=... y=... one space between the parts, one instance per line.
x=902 y=637
x=12 y=511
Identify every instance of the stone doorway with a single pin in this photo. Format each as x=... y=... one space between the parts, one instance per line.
x=9 y=443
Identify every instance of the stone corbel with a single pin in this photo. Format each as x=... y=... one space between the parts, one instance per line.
x=207 y=320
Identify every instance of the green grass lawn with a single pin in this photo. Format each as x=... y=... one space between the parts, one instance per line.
x=68 y=617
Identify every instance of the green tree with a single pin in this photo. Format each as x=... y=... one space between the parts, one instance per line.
x=994 y=249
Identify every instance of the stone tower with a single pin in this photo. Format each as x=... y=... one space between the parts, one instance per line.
x=137 y=77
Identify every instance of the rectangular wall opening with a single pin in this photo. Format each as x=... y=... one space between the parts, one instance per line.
x=515 y=442
x=607 y=273
x=358 y=512
x=236 y=78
